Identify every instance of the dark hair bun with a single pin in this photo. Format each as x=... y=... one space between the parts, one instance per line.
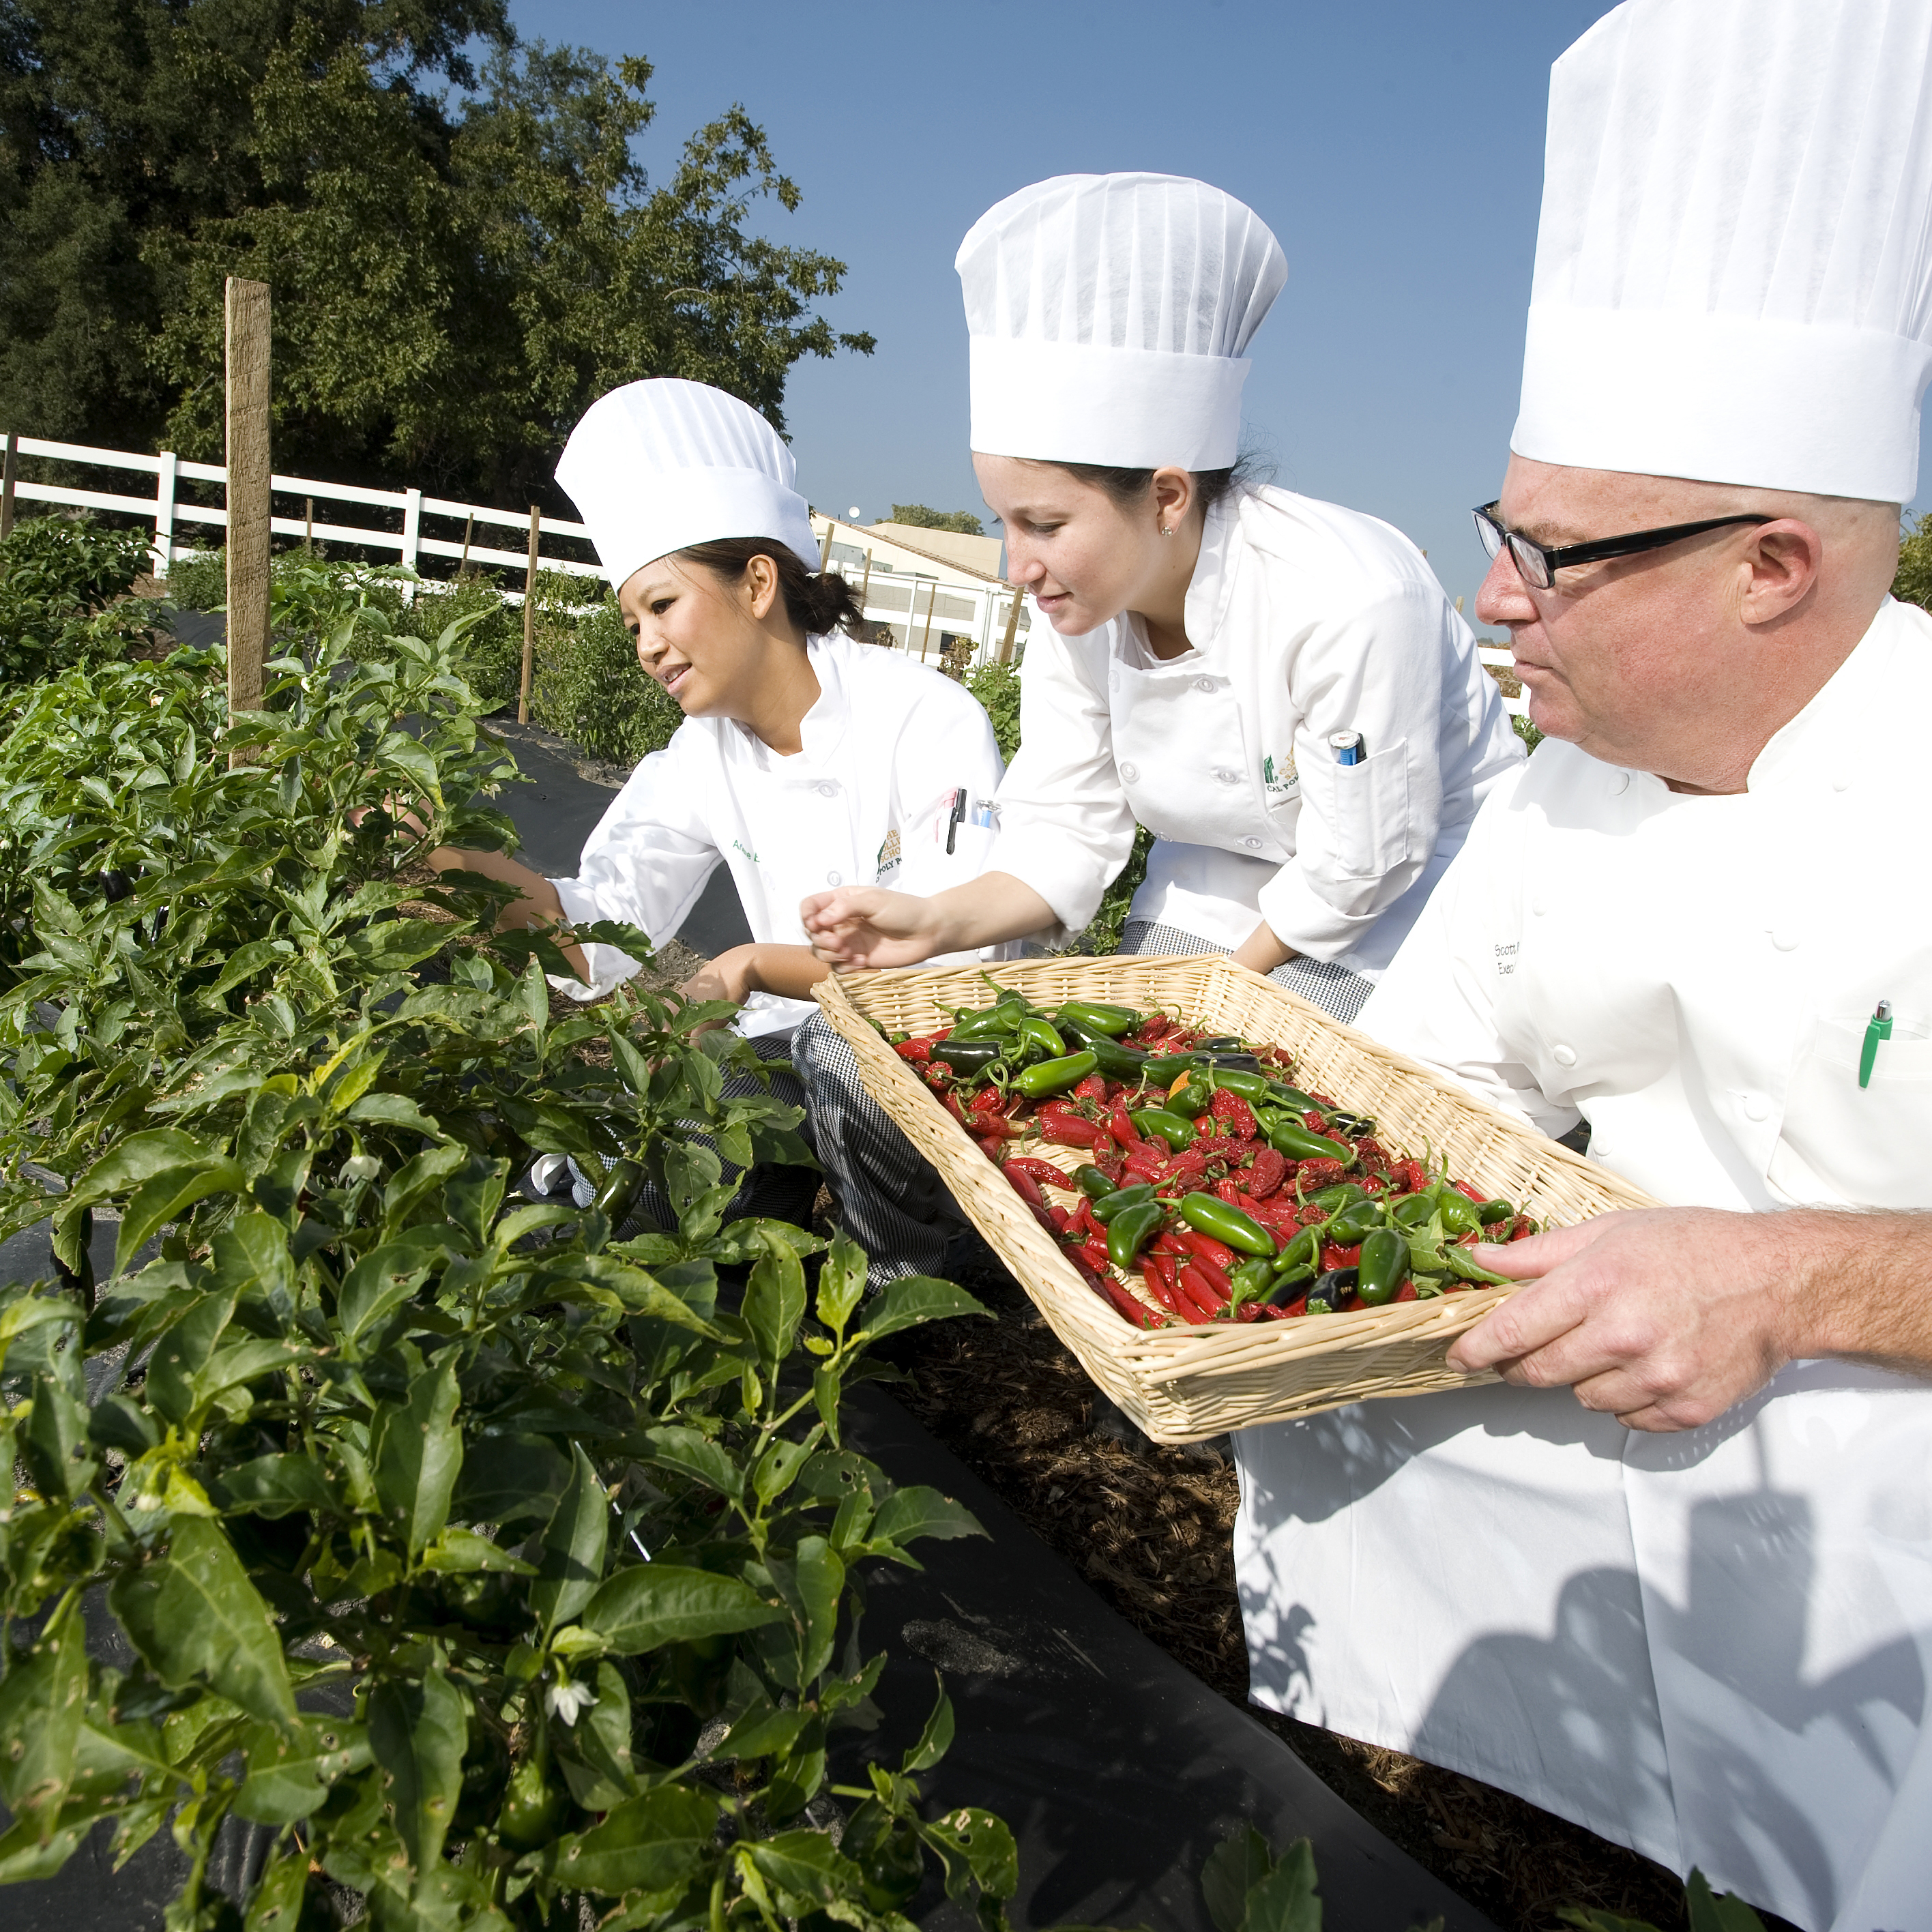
x=817 y=602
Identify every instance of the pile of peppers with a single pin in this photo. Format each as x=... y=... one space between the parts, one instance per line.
x=1212 y=1182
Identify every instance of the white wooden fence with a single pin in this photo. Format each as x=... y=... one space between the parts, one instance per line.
x=170 y=513
x=922 y=610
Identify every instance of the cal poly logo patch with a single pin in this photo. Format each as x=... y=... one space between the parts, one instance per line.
x=1279 y=777
x=888 y=853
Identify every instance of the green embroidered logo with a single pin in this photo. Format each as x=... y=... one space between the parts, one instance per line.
x=1281 y=777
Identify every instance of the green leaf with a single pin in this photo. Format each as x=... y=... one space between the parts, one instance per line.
x=277 y=1902
x=23 y=1857
x=397 y=944
x=695 y=1455
x=762 y=1731
x=656 y=1604
x=510 y=1480
x=1728 y=1913
x=595 y=1753
x=244 y=963
x=415 y=1178
x=415 y=1452
x=841 y=1283
x=288 y=1775
x=379 y=1283
x=1284 y=1900
x=183 y=1346
x=462 y=1552
x=275 y=1486
x=918 y=1511
x=806 y=1867
x=649 y=1845
x=571 y=1565
x=393 y=1110
x=811 y=1584
x=43 y=1699
x=166 y=1197
x=1233 y=1869
x=139 y=1158
x=774 y=1303
x=913 y=1299
x=194 y=1614
x=780 y=1464
x=936 y=1740
x=975 y=1848
x=417 y=1732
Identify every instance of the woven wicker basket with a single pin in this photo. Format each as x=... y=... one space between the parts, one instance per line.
x=1181 y=1384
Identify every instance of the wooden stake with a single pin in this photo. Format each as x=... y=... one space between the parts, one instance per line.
x=925 y=637
x=308 y=524
x=865 y=589
x=825 y=550
x=248 y=475
x=530 y=620
x=469 y=531
x=1012 y=628
x=9 y=475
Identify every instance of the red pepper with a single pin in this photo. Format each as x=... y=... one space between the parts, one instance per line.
x=1206 y=1246
x=988 y=1100
x=1123 y=1130
x=1215 y=1276
x=919 y=1051
x=1235 y=1116
x=1407 y=1291
x=1299 y=1306
x=1057 y=1219
x=1168 y=1242
x=1095 y=1249
x=1144 y=1164
x=1407 y=1177
x=1311 y=1176
x=1169 y=1297
x=1266 y=1174
x=1229 y=1189
x=996 y=1127
x=1062 y=1132
x=1108 y=1161
x=1024 y=1186
x=1124 y=1305
x=1082 y=1221
x=1195 y=1286
x=1044 y=1171
x=1093 y=1088
x=1332 y=1257
x=1469 y=1193
x=1190 y=1167
x=949 y=1101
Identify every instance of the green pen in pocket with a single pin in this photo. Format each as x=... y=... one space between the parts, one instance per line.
x=1877 y=1028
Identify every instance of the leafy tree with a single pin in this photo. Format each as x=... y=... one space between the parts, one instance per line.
x=1913 y=583
x=455 y=275
x=962 y=521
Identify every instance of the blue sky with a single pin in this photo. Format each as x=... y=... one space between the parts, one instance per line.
x=1395 y=149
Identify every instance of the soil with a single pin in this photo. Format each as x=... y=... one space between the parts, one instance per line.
x=1150 y=1528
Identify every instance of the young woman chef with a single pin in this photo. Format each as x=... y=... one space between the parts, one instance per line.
x=806 y=761
x=1276 y=688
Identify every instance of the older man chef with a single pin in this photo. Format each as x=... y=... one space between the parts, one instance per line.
x=1700 y=924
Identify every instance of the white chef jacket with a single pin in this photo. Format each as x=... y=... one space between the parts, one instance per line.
x=1304 y=618
x=1715 y=1646
x=868 y=799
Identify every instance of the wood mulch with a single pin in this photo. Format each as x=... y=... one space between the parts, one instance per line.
x=1150 y=1527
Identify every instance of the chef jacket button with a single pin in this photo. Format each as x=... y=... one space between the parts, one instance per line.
x=1755 y=1107
x=1539 y=906
x=1841 y=781
x=828 y=791
x=1130 y=772
x=1619 y=781
x=1224 y=776
x=833 y=878
x=1204 y=684
x=1251 y=842
x=1564 y=1056
x=1784 y=939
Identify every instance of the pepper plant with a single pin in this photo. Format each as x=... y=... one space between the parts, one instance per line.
x=495 y=1564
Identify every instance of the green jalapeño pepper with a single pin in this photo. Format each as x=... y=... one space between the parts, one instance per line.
x=969 y=1056
x=1303 y=1251
x=1383 y=1267
x=1093 y=1016
x=1412 y=1210
x=1191 y=1102
x=1002 y=1017
x=1041 y=1039
x=1178 y=1133
x=1490 y=1212
x=1104 y=1210
x=1297 y=1143
x=1116 y=1061
x=1333 y=1200
x=1130 y=1231
x=1354 y=1221
x=1092 y=1183
x=1209 y=1214
x=1330 y=1291
x=1251 y=1282
x=622 y=1181
x=1459 y=1213
x=1053 y=1076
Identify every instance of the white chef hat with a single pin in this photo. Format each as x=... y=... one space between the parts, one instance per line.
x=1734 y=266
x=1107 y=315
x=656 y=466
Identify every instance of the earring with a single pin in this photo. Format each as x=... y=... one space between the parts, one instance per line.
x=1167 y=530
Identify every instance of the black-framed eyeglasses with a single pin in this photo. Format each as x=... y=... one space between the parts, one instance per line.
x=1539 y=563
